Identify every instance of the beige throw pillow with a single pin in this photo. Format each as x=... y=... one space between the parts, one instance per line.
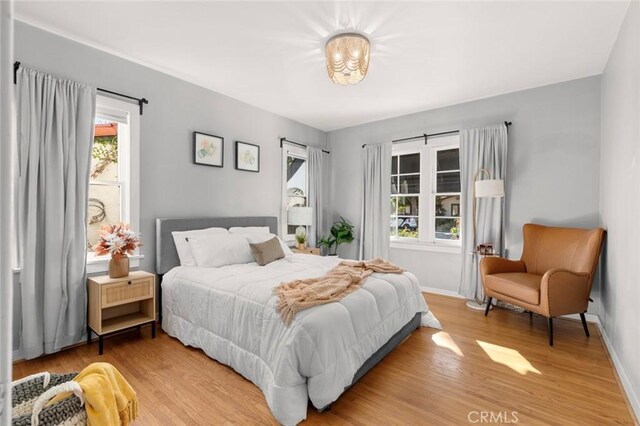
x=266 y=252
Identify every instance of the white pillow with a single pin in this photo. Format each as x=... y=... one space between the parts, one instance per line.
x=261 y=238
x=182 y=246
x=250 y=230
x=215 y=250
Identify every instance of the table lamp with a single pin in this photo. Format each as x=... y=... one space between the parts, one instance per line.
x=302 y=217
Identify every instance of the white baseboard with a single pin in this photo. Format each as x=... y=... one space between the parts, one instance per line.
x=440 y=291
x=593 y=318
x=628 y=389
x=632 y=397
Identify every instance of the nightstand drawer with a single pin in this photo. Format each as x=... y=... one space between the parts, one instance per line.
x=307 y=250
x=126 y=292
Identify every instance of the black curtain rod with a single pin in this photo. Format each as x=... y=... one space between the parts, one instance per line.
x=432 y=135
x=140 y=101
x=282 y=140
x=424 y=135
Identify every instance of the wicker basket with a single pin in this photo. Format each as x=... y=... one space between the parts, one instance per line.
x=28 y=394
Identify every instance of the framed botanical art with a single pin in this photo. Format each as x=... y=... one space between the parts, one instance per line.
x=247 y=157
x=208 y=150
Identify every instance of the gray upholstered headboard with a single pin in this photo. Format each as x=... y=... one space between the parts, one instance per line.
x=166 y=254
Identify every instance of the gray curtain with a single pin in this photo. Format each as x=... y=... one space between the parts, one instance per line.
x=484 y=148
x=318 y=174
x=7 y=161
x=55 y=137
x=375 y=221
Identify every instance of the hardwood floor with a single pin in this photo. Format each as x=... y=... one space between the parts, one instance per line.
x=500 y=365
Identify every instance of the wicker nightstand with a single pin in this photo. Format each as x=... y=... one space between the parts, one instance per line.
x=308 y=250
x=117 y=304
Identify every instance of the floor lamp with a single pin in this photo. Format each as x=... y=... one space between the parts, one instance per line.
x=487 y=188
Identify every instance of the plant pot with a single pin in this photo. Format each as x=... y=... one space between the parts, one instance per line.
x=301 y=246
x=119 y=268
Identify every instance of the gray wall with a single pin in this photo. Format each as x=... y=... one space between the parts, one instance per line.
x=170 y=184
x=620 y=199
x=553 y=163
x=553 y=152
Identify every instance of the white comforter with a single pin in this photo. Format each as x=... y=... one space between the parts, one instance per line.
x=229 y=313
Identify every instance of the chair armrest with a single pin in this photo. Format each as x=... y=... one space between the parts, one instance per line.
x=564 y=292
x=497 y=265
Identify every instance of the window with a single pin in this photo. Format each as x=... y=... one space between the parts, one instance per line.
x=446 y=197
x=107 y=181
x=295 y=185
x=425 y=192
x=114 y=178
x=405 y=195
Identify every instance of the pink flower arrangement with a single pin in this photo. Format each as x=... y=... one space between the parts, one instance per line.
x=117 y=240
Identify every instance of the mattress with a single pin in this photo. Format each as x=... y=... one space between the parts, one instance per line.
x=229 y=312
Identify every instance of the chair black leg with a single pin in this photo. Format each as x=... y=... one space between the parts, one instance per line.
x=584 y=324
x=550 y=327
x=486 y=310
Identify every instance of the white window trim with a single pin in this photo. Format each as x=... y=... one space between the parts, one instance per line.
x=100 y=264
x=409 y=244
x=129 y=168
x=294 y=151
x=426 y=203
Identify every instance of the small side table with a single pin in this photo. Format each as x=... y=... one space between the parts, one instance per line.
x=117 y=304
x=308 y=250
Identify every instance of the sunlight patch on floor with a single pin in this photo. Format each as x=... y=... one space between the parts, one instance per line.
x=443 y=339
x=509 y=357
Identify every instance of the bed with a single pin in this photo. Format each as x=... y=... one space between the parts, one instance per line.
x=229 y=313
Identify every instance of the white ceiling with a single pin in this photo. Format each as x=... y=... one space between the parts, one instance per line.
x=424 y=54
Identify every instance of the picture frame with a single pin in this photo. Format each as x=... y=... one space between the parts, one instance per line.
x=455 y=210
x=247 y=157
x=208 y=150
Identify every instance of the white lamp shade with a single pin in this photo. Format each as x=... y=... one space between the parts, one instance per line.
x=300 y=216
x=489 y=188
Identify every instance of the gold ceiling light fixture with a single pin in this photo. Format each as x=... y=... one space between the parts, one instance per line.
x=347 y=58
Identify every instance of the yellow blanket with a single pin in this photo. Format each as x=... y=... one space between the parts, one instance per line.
x=342 y=280
x=109 y=399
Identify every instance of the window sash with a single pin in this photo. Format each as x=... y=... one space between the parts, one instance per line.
x=398 y=152
x=434 y=150
x=428 y=190
x=124 y=174
x=289 y=150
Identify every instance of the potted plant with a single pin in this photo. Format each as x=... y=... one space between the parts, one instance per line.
x=341 y=232
x=119 y=241
x=325 y=245
x=301 y=239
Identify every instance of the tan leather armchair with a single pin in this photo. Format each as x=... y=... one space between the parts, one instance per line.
x=553 y=276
